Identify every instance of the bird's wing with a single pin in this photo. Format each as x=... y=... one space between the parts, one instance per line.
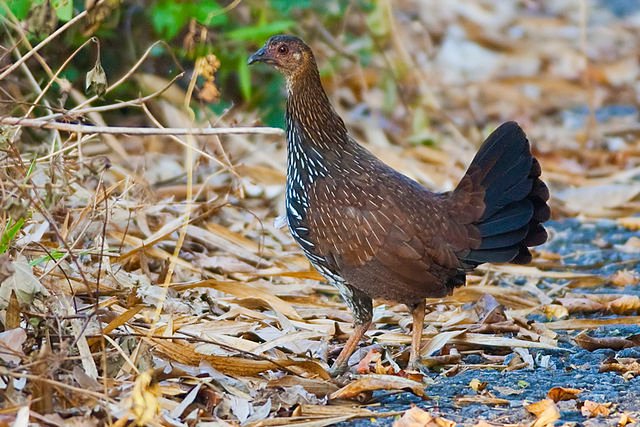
x=387 y=220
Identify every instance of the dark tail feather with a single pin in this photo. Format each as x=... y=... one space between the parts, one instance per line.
x=515 y=199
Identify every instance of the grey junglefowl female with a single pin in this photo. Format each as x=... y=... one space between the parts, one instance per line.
x=375 y=233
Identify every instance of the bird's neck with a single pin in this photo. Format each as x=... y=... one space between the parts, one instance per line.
x=311 y=120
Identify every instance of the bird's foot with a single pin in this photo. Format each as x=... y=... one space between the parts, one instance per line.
x=414 y=365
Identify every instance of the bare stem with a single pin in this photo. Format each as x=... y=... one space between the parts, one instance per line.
x=45 y=42
x=122 y=130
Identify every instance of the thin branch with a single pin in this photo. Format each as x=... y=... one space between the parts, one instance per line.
x=131 y=103
x=45 y=42
x=122 y=130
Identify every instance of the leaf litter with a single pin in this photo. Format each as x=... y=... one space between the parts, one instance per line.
x=136 y=293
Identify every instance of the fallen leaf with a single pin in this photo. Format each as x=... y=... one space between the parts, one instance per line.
x=593 y=409
x=630 y=222
x=374 y=382
x=626 y=366
x=546 y=412
x=580 y=305
x=11 y=342
x=144 y=399
x=555 y=311
x=573 y=324
x=477 y=385
x=625 y=278
x=372 y=356
x=625 y=305
x=319 y=387
x=439 y=341
x=558 y=394
x=594 y=343
x=483 y=399
x=416 y=417
x=625 y=419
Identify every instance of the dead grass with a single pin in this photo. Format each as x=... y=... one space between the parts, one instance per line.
x=151 y=282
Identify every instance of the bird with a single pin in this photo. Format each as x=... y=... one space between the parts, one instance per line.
x=374 y=233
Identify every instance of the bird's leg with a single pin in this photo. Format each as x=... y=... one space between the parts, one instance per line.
x=417 y=312
x=341 y=364
x=362 y=308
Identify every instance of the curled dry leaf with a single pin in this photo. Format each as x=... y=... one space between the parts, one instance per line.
x=615 y=343
x=555 y=311
x=373 y=356
x=374 y=382
x=558 y=394
x=625 y=305
x=580 y=305
x=546 y=412
x=626 y=366
x=626 y=419
x=625 y=278
x=593 y=409
x=144 y=399
x=416 y=417
x=477 y=385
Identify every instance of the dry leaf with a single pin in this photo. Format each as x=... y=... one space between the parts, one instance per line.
x=372 y=356
x=593 y=343
x=593 y=409
x=625 y=278
x=630 y=222
x=558 y=394
x=483 y=399
x=625 y=419
x=546 y=412
x=144 y=399
x=477 y=385
x=580 y=305
x=11 y=342
x=316 y=386
x=625 y=305
x=555 y=311
x=628 y=367
x=416 y=417
x=439 y=341
x=374 y=382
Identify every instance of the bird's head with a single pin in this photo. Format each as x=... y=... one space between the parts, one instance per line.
x=288 y=54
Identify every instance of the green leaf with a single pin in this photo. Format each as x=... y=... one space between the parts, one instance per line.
x=53 y=255
x=260 y=32
x=286 y=6
x=169 y=17
x=20 y=8
x=209 y=13
x=32 y=167
x=244 y=77
x=63 y=8
x=9 y=234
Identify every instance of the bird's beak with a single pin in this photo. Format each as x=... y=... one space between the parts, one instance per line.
x=259 y=56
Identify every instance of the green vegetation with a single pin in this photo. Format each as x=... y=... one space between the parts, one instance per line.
x=228 y=32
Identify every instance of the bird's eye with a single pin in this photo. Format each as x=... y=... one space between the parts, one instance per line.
x=283 y=49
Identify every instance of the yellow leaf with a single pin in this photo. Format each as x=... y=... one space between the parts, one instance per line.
x=144 y=399
x=477 y=385
x=593 y=409
x=624 y=305
x=560 y=393
x=546 y=411
x=416 y=417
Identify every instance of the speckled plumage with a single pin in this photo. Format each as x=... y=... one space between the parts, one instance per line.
x=375 y=233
